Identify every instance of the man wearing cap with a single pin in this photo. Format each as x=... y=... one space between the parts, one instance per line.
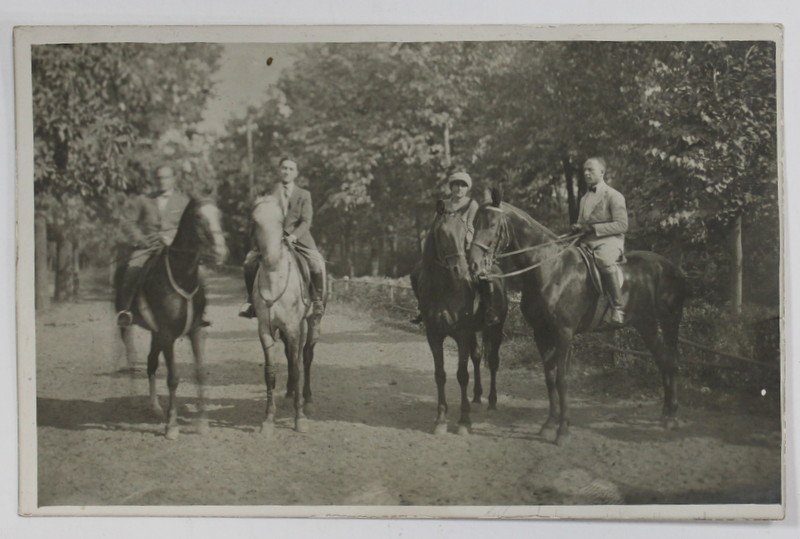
x=151 y=222
x=603 y=219
x=460 y=183
x=297 y=231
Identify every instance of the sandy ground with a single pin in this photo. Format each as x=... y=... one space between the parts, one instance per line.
x=370 y=438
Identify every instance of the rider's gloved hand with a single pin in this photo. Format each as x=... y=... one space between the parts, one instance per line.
x=585 y=229
x=291 y=238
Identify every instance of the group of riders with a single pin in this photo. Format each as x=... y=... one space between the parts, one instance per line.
x=151 y=222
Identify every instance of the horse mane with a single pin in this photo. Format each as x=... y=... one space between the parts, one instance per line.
x=514 y=211
x=429 y=249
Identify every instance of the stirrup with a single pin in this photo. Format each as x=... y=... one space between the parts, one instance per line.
x=490 y=317
x=124 y=319
x=247 y=310
x=617 y=317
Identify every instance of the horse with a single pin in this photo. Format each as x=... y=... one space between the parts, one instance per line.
x=559 y=301
x=449 y=308
x=283 y=309
x=171 y=302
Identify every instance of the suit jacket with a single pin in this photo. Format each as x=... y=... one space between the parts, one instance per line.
x=607 y=216
x=298 y=217
x=144 y=224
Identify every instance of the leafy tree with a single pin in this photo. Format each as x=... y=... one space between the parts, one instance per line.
x=97 y=109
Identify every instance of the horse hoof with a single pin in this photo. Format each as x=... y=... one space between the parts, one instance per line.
x=202 y=427
x=267 y=428
x=463 y=430
x=301 y=425
x=440 y=428
x=492 y=406
x=476 y=400
x=562 y=439
x=308 y=408
x=157 y=412
x=172 y=432
x=548 y=433
x=670 y=423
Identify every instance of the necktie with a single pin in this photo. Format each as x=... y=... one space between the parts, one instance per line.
x=593 y=189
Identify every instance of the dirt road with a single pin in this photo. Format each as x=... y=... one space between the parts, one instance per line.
x=369 y=440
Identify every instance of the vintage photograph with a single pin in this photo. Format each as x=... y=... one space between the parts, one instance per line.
x=466 y=272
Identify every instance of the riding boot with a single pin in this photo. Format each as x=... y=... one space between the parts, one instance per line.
x=490 y=317
x=317 y=292
x=611 y=284
x=250 y=268
x=128 y=288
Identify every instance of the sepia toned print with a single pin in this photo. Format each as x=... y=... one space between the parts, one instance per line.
x=483 y=273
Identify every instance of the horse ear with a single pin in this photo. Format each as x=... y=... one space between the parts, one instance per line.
x=497 y=197
x=440 y=206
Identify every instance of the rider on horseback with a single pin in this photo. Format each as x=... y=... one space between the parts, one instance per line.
x=603 y=219
x=298 y=212
x=460 y=183
x=151 y=222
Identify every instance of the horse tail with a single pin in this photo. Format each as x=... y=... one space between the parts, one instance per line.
x=673 y=290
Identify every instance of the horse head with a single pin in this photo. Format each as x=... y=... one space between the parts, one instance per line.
x=449 y=236
x=268 y=218
x=491 y=235
x=200 y=230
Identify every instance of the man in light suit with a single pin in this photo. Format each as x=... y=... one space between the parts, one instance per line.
x=296 y=230
x=151 y=222
x=603 y=219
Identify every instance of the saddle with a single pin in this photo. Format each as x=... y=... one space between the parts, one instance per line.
x=602 y=308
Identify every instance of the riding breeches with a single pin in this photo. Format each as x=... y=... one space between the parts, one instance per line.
x=608 y=255
x=316 y=269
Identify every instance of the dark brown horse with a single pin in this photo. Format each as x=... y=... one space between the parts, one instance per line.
x=449 y=306
x=558 y=299
x=172 y=300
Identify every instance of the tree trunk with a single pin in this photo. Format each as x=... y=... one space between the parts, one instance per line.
x=376 y=253
x=736 y=266
x=42 y=274
x=394 y=254
x=65 y=269
x=447 y=159
x=572 y=205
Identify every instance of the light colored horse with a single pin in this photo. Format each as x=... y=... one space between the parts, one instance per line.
x=282 y=305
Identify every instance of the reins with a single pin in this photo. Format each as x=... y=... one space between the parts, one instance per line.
x=572 y=238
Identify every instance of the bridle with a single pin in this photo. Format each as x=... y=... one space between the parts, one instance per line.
x=505 y=233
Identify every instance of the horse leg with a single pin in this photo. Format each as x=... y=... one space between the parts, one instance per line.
x=131 y=356
x=290 y=380
x=475 y=353
x=547 y=351
x=308 y=358
x=268 y=346
x=172 y=430
x=492 y=338
x=152 y=367
x=562 y=355
x=667 y=367
x=293 y=351
x=436 y=342
x=465 y=347
x=670 y=330
x=198 y=339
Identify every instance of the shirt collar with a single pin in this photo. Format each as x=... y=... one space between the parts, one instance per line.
x=599 y=188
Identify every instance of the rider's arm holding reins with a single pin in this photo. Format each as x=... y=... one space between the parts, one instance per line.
x=303 y=226
x=132 y=213
x=619 y=217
